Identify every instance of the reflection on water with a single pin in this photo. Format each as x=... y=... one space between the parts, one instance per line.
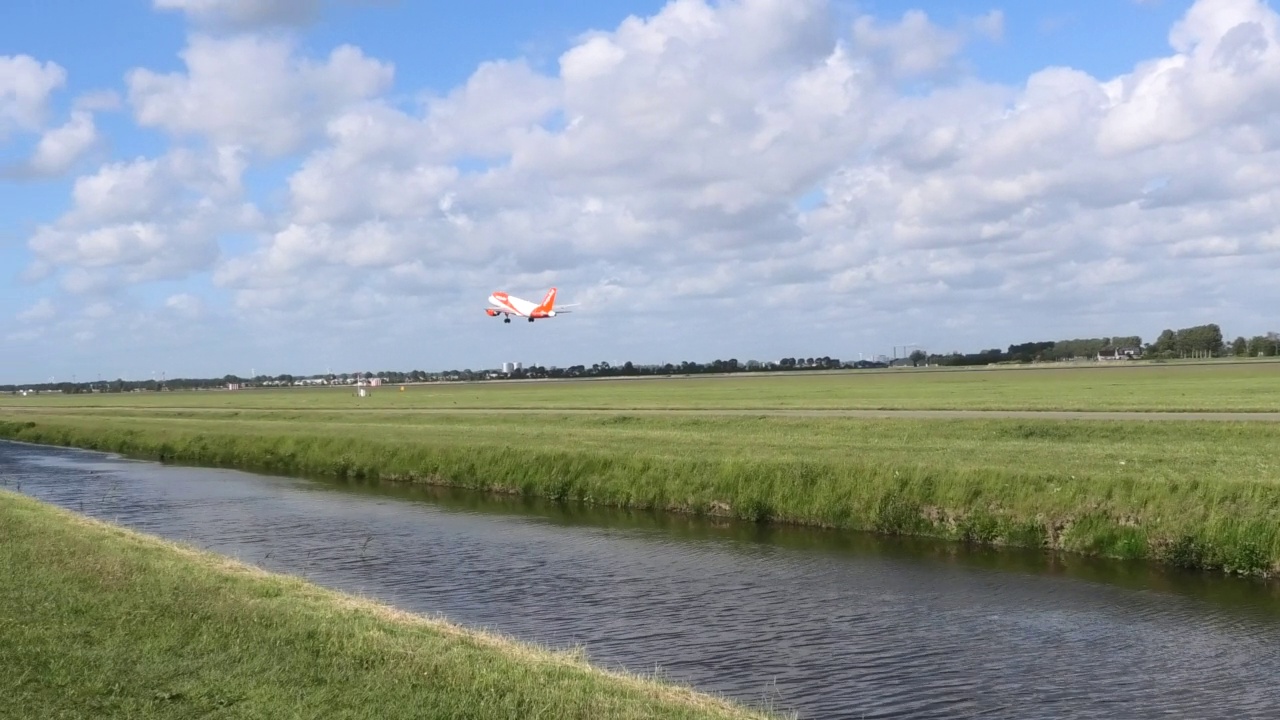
x=826 y=624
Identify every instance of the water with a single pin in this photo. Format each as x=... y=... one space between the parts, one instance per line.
x=820 y=623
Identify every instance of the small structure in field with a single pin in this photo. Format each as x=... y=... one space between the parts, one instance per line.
x=1119 y=353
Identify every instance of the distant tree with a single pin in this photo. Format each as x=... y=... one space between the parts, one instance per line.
x=1166 y=343
x=917 y=357
x=1264 y=345
x=1026 y=352
x=1239 y=347
x=1199 y=341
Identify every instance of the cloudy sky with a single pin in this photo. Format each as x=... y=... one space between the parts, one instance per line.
x=202 y=187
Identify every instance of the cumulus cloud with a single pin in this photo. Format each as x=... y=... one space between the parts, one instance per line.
x=744 y=169
x=288 y=100
x=60 y=148
x=913 y=47
x=1225 y=72
x=144 y=220
x=25 y=87
x=672 y=150
x=672 y=142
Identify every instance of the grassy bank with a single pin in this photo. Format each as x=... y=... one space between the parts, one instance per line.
x=1204 y=495
x=103 y=622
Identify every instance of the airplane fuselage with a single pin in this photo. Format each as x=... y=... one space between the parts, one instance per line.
x=508 y=305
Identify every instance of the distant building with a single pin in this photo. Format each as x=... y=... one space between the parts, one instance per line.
x=1119 y=353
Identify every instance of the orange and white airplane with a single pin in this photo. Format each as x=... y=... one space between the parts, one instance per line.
x=509 y=305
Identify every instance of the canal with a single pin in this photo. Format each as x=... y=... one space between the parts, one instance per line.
x=821 y=623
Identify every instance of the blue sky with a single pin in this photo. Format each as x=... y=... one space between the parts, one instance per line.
x=749 y=179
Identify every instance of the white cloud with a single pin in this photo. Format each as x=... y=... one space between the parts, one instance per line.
x=913 y=47
x=287 y=101
x=747 y=173
x=60 y=148
x=25 y=87
x=1226 y=71
x=144 y=220
x=688 y=136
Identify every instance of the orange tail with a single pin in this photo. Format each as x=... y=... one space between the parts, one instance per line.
x=549 y=301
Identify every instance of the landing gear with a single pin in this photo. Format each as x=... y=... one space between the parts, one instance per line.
x=530 y=319
x=506 y=320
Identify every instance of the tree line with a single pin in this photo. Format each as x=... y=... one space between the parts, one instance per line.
x=1200 y=341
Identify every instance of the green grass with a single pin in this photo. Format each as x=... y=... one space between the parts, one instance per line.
x=1221 y=386
x=1198 y=494
x=98 y=621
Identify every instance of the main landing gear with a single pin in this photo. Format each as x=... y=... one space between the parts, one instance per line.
x=506 y=320
x=530 y=319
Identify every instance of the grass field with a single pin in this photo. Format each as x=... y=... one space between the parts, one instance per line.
x=1223 y=386
x=1199 y=494
x=98 y=621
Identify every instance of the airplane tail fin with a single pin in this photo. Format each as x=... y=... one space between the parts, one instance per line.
x=548 y=301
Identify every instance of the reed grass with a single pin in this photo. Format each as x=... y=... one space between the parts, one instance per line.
x=99 y=621
x=1195 y=494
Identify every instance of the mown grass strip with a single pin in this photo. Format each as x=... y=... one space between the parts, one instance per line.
x=1220 y=386
x=100 y=621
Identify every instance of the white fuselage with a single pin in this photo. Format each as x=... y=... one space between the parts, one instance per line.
x=513 y=304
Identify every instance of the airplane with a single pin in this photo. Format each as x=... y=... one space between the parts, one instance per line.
x=509 y=305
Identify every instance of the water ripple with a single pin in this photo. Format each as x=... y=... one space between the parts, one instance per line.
x=869 y=632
